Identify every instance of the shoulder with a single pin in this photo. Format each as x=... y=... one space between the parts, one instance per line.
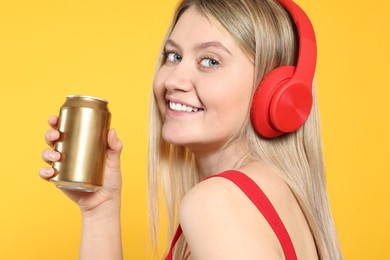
x=220 y=222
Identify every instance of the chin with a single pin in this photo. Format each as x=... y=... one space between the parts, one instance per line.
x=175 y=138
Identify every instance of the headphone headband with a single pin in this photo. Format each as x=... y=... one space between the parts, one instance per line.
x=307 y=54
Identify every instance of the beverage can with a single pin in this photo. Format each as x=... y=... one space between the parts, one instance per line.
x=83 y=124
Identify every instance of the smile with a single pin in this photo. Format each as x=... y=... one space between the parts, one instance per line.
x=183 y=108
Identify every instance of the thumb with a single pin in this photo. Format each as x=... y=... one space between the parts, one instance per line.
x=113 y=150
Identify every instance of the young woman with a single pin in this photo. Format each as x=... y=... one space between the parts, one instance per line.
x=239 y=187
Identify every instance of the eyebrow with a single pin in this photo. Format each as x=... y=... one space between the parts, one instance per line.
x=203 y=45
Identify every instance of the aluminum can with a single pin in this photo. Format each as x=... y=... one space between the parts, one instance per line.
x=84 y=122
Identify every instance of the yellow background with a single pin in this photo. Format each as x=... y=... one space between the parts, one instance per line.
x=49 y=49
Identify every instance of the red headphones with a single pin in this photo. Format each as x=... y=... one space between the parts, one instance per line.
x=283 y=100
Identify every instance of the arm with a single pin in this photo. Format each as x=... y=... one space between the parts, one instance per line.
x=101 y=233
x=101 y=227
x=100 y=210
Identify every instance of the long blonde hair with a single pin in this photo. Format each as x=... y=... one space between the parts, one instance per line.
x=266 y=33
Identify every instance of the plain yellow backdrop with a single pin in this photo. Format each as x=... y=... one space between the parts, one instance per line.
x=49 y=49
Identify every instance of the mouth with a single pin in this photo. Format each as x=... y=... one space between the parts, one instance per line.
x=183 y=108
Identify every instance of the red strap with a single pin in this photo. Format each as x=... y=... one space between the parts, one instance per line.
x=257 y=196
x=175 y=238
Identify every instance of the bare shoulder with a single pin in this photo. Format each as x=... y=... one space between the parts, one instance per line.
x=220 y=222
x=288 y=209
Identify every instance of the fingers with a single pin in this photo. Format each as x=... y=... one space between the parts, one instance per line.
x=51 y=137
x=49 y=156
x=53 y=121
x=46 y=173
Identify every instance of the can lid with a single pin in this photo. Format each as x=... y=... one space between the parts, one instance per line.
x=87 y=97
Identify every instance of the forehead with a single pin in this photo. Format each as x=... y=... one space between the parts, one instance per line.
x=196 y=27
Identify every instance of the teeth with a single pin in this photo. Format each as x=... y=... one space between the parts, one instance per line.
x=180 y=107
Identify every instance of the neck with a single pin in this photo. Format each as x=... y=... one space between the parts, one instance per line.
x=213 y=162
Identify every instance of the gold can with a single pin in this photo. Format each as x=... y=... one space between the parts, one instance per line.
x=84 y=122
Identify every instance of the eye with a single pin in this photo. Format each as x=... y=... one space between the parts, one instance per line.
x=209 y=63
x=172 y=57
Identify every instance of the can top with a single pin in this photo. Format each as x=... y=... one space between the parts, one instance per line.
x=86 y=102
x=87 y=97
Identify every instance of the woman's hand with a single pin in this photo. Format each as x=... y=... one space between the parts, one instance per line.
x=109 y=193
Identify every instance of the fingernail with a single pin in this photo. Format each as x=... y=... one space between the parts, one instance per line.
x=53 y=156
x=49 y=172
x=54 y=135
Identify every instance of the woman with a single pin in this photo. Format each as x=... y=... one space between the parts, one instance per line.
x=214 y=57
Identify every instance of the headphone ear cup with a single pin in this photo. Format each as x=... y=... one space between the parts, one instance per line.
x=290 y=106
x=263 y=97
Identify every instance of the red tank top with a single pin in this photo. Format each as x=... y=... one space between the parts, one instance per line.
x=257 y=196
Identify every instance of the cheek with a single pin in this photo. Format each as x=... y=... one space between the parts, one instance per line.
x=230 y=102
x=157 y=83
x=231 y=96
x=159 y=90
x=236 y=110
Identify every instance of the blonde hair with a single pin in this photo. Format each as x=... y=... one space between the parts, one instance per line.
x=266 y=33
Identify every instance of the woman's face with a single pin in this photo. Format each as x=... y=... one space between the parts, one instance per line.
x=204 y=86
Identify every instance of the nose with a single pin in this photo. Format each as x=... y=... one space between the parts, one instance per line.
x=179 y=77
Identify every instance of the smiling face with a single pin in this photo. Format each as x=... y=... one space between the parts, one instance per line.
x=203 y=88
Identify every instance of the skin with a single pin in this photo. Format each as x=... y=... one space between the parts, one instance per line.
x=204 y=69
